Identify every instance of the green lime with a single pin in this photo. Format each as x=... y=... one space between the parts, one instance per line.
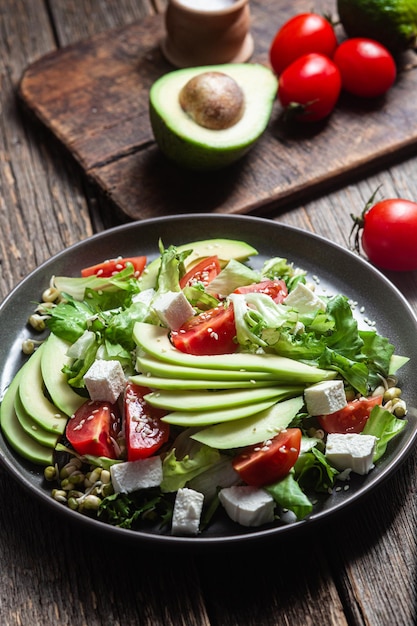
x=391 y=22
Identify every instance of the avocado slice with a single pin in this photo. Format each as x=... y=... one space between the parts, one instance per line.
x=25 y=445
x=177 y=384
x=34 y=401
x=193 y=146
x=190 y=419
x=204 y=400
x=54 y=357
x=253 y=429
x=225 y=249
x=154 y=340
x=36 y=432
x=151 y=365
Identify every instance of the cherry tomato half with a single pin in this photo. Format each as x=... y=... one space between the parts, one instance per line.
x=388 y=232
x=352 y=418
x=113 y=266
x=367 y=68
x=203 y=272
x=210 y=332
x=268 y=462
x=144 y=431
x=93 y=429
x=310 y=87
x=276 y=289
x=302 y=34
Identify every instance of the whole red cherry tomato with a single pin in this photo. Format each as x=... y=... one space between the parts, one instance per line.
x=304 y=33
x=310 y=87
x=367 y=68
x=388 y=233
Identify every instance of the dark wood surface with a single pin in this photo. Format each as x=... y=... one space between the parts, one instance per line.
x=93 y=95
x=357 y=569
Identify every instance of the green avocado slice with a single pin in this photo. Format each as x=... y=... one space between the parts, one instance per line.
x=204 y=400
x=254 y=429
x=34 y=401
x=16 y=436
x=54 y=357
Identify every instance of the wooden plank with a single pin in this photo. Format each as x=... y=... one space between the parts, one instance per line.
x=94 y=97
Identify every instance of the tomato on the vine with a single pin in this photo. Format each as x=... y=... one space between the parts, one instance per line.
x=352 y=418
x=309 y=88
x=388 y=233
x=268 y=462
x=302 y=34
x=367 y=68
x=210 y=332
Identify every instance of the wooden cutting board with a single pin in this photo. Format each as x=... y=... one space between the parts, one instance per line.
x=94 y=97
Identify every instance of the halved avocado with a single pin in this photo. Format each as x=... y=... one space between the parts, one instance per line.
x=178 y=129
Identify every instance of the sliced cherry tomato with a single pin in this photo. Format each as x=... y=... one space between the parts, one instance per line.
x=302 y=34
x=388 y=232
x=276 y=289
x=113 y=266
x=268 y=462
x=352 y=418
x=144 y=431
x=210 y=332
x=367 y=68
x=309 y=88
x=203 y=272
x=94 y=428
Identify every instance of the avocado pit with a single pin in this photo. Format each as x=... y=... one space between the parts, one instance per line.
x=213 y=100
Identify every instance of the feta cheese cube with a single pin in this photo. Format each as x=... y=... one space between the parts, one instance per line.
x=304 y=299
x=187 y=512
x=325 y=397
x=134 y=475
x=173 y=309
x=351 y=451
x=105 y=380
x=248 y=506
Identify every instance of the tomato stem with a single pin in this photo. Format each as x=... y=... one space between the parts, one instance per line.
x=359 y=222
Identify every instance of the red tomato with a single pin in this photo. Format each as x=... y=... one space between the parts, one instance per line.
x=367 y=68
x=389 y=234
x=302 y=34
x=144 y=431
x=113 y=266
x=266 y=463
x=94 y=428
x=276 y=289
x=352 y=418
x=210 y=332
x=203 y=272
x=310 y=87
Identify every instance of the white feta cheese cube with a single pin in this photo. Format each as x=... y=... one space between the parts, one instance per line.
x=248 y=506
x=173 y=309
x=134 y=475
x=304 y=299
x=105 y=380
x=187 y=512
x=325 y=397
x=351 y=451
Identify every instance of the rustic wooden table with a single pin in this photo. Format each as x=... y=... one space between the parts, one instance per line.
x=359 y=569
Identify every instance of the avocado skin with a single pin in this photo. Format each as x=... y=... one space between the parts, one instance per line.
x=195 y=148
x=190 y=155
